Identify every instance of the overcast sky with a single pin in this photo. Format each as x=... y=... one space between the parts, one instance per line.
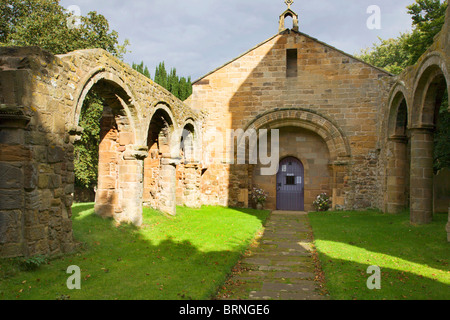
x=197 y=36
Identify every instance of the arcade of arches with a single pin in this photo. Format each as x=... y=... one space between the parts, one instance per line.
x=345 y=128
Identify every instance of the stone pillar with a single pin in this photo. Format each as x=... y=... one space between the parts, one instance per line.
x=107 y=197
x=448 y=226
x=422 y=143
x=339 y=169
x=15 y=181
x=167 y=185
x=396 y=175
x=192 y=185
x=131 y=180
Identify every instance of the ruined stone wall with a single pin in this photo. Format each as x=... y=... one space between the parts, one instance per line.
x=37 y=153
x=340 y=89
x=417 y=92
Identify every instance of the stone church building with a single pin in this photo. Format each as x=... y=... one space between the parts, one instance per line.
x=337 y=125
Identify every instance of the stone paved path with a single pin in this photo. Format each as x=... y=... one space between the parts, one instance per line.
x=281 y=267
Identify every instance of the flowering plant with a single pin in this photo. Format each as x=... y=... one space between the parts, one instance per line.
x=322 y=202
x=259 y=195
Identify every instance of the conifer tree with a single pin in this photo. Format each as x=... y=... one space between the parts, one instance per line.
x=180 y=87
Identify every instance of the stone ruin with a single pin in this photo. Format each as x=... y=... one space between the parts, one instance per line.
x=363 y=135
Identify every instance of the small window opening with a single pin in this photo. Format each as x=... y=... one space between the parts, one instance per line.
x=288 y=21
x=290 y=181
x=291 y=63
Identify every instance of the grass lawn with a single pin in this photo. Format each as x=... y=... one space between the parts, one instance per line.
x=414 y=260
x=185 y=257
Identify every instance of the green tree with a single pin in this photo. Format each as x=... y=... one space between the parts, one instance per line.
x=45 y=23
x=87 y=150
x=428 y=17
x=179 y=87
x=394 y=55
x=442 y=137
x=161 y=76
x=142 y=69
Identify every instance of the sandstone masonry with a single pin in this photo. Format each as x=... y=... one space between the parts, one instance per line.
x=363 y=136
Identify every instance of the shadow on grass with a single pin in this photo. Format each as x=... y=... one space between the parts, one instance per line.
x=347 y=280
x=255 y=213
x=414 y=259
x=163 y=261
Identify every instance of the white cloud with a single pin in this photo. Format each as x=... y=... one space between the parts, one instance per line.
x=196 y=36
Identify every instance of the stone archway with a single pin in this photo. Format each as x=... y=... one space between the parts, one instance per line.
x=321 y=146
x=398 y=159
x=432 y=81
x=188 y=172
x=298 y=117
x=118 y=193
x=46 y=95
x=160 y=166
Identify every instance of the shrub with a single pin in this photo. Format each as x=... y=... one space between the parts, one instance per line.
x=322 y=202
x=32 y=263
x=259 y=196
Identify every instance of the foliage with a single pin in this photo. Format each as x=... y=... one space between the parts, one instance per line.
x=395 y=55
x=414 y=260
x=322 y=202
x=180 y=258
x=142 y=69
x=391 y=55
x=44 y=23
x=86 y=150
x=428 y=17
x=259 y=195
x=32 y=263
x=442 y=138
x=179 y=87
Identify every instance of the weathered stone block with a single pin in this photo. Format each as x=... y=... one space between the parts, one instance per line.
x=14 y=153
x=43 y=181
x=55 y=154
x=35 y=233
x=4 y=224
x=30 y=177
x=11 y=199
x=11 y=136
x=104 y=210
x=10 y=250
x=11 y=177
x=54 y=181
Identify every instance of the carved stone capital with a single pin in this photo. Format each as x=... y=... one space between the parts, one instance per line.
x=136 y=153
x=12 y=116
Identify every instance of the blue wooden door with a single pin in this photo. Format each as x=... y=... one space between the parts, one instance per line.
x=290 y=185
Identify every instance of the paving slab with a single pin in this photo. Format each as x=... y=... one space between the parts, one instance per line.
x=281 y=267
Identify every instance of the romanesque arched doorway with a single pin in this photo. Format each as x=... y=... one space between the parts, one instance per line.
x=290 y=185
x=429 y=105
x=118 y=176
x=399 y=154
x=160 y=166
x=319 y=145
